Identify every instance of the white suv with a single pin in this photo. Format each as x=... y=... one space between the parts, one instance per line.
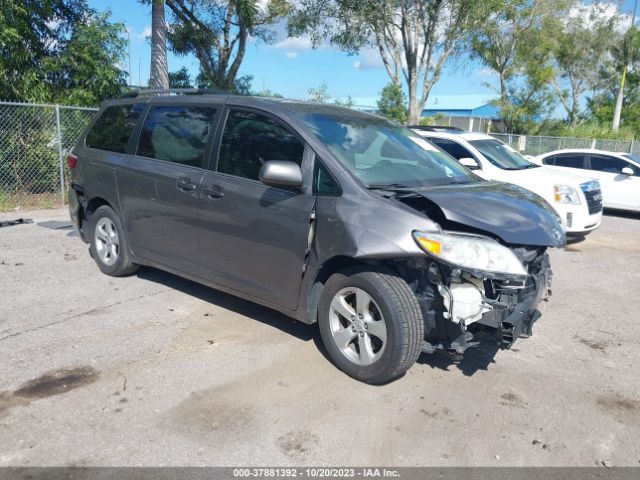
x=576 y=198
x=618 y=173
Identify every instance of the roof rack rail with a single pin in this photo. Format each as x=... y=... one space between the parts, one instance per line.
x=175 y=91
x=436 y=128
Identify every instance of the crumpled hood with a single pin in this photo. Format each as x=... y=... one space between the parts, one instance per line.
x=509 y=212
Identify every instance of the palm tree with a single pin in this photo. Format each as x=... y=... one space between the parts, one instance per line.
x=159 y=69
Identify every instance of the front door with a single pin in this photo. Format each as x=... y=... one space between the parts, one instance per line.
x=158 y=187
x=618 y=189
x=253 y=237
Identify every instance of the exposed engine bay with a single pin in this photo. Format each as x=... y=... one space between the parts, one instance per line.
x=462 y=308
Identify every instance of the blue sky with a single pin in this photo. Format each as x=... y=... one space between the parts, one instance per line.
x=290 y=67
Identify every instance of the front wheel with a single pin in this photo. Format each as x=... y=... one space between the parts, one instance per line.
x=371 y=324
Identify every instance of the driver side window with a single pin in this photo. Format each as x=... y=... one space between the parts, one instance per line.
x=603 y=163
x=250 y=139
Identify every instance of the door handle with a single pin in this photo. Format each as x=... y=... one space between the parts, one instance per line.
x=185 y=183
x=213 y=191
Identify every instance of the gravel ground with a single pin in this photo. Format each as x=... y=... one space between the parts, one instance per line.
x=156 y=370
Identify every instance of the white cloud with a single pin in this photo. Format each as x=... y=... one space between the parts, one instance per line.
x=294 y=43
x=291 y=54
x=139 y=36
x=145 y=33
x=597 y=13
x=485 y=72
x=368 y=59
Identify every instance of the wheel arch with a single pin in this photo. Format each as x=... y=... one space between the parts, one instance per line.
x=328 y=268
x=86 y=210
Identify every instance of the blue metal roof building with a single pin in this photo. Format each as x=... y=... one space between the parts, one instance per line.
x=479 y=106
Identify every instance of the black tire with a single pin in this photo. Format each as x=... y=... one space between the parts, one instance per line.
x=122 y=264
x=401 y=312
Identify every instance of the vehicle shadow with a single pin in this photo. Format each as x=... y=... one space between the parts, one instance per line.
x=474 y=359
x=575 y=240
x=622 y=214
x=229 y=302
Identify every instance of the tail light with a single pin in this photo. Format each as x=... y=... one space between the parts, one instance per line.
x=72 y=161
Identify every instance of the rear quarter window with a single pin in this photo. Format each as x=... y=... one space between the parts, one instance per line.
x=113 y=128
x=454 y=149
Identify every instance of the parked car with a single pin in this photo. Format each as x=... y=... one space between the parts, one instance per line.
x=576 y=198
x=323 y=213
x=618 y=173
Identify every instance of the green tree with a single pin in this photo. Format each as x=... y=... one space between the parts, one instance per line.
x=180 y=79
x=88 y=69
x=319 y=94
x=583 y=45
x=217 y=32
x=392 y=103
x=515 y=41
x=241 y=85
x=414 y=39
x=58 y=50
x=602 y=105
x=268 y=93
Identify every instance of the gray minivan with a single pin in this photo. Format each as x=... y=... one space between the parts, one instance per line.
x=323 y=213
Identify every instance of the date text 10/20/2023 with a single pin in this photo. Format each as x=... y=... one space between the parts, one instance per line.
x=315 y=472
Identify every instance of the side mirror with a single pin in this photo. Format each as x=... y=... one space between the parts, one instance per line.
x=470 y=163
x=627 y=171
x=280 y=173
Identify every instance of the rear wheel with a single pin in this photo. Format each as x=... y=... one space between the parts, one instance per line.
x=108 y=244
x=371 y=324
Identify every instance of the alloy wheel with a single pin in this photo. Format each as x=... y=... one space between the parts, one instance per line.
x=107 y=241
x=357 y=326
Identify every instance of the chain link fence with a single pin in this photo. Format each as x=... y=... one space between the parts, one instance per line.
x=537 y=145
x=470 y=124
x=34 y=141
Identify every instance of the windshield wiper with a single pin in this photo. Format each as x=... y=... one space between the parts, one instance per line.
x=386 y=186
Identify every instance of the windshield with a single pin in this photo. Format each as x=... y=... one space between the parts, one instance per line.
x=382 y=154
x=501 y=155
x=633 y=156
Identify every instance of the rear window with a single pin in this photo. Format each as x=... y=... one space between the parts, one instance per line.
x=176 y=134
x=112 y=129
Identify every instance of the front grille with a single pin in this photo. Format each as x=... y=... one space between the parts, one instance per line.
x=593 y=195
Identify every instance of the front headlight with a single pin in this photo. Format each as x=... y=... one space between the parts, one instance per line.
x=470 y=251
x=566 y=194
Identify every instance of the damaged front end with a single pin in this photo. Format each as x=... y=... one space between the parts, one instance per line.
x=462 y=309
x=484 y=275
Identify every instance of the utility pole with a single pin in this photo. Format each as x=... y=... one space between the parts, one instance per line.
x=129 y=44
x=620 y=98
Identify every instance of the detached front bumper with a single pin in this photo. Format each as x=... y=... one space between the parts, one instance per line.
x=502 y=310
x=515 y=311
